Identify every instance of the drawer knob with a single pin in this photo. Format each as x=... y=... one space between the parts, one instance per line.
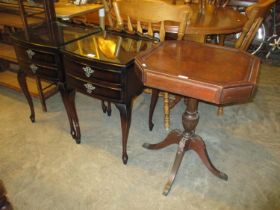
x=88 y=71
x=33 y=68
x=30 y=53
x=89 y=87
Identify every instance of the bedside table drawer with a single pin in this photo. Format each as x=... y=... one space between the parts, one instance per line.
x=88 y=72
x=95 y=90
x=35 y=56
x=40 y=70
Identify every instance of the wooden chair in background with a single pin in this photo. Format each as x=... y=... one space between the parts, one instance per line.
x=255 y=14
x=147 y=17
x=219 y=3
x=108 y=8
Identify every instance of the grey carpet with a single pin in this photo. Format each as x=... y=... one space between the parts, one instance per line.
x=43 y=168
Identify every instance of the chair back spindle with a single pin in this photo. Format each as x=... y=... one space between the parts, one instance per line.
x=255 y=14
x=148 y=16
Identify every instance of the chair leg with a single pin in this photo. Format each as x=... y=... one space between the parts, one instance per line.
x=154 y=99
x=174 y=102
x=167 y=106
x=41 y=94
x=220 y=111
x=166 y=110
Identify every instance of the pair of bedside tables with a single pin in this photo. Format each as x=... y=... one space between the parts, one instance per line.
x=96 y=63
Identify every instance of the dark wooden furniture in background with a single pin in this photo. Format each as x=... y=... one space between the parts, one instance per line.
x=198 y=72
x=102 y=66
x=4 y=203
x=15 y=16
x=37 y=49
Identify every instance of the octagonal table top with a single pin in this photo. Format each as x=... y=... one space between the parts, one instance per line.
x=211 y=73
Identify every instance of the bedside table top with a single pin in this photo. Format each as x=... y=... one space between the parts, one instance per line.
x=110 y=47
x=62 y=34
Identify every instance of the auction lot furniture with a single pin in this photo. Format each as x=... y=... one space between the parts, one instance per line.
x=37 y=48
x=198 y=72
x=102 y=66
x=213 y=20
x=148 y=15
x=15 y=16
x=38 y=53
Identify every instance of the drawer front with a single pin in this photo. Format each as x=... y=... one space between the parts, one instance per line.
x=95 y=90
x=40 y=70
x=36 y=56
x=90 y=72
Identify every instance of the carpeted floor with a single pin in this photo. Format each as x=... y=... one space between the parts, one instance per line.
x=43 y=168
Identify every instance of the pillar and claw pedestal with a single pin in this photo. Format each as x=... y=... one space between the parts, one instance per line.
x=186 y=140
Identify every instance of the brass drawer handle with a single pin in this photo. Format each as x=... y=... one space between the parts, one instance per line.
x=88 y=71
x=30 y=53
x=89 y=87
x=33 y=68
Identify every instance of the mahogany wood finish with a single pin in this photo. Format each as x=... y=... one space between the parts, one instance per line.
x=14 y=17
x=198 y=72
x=4 y=203
x=39 y=55
x=37 y=48
x=22 y=82
x=101 y=66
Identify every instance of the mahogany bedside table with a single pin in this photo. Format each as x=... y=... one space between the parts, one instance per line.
x=102 y=66
x=196 y=71
x=38 y=53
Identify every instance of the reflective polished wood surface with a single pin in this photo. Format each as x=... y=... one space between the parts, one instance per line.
x=119 y=49
x=206 y=72
x=102 y=66
x=54 y=34
x=39 y=56
x=215 y=20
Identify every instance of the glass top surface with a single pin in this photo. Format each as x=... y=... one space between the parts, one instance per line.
x=55 y=35
x=117 y=48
